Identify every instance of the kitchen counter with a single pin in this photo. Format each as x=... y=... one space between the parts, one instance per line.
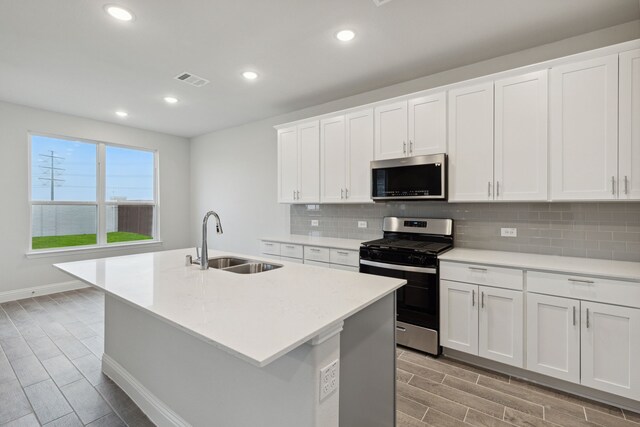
x=256 y=317
x=622 y=270
x=327 y=242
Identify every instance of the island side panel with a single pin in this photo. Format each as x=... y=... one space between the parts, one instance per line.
x=203 y=385
x=368 y=366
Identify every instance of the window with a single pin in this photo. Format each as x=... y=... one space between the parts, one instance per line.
x=86 y=193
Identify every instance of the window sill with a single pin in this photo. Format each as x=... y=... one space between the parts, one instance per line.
x=90 y=249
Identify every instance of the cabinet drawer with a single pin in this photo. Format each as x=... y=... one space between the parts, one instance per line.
x=316 y=254
x=345 y=268
x=500 y=277
x=271 y=248
x=317 y=263
x=345 y=257
x=291 y=251
x=585 y=288
x=293 y=260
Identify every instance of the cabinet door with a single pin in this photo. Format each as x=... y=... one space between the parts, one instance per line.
x=391 y=131
x=459 y=316
x=611 y=349
x=428 y=125
x=332 y=160
x=309 y=163
x=501 y=325
x=629 y=176
x=521 y=117
x=287 y=164
x=471 y=143
x=584 y=130
x=359 y=155
x=553 y=336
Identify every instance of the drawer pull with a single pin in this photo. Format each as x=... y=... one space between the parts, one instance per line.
x=314 y=250
x=478 y=269
x=268 y=244
x=289 y=247
x=482 y=299
x=473 y=298
x=401 y=329
x=342 y=253
x=587 y=318
x=587 y=282
x=574 y=315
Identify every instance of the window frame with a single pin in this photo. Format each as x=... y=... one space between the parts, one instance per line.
x=100 y=203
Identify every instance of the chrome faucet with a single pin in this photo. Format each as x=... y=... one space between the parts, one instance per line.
x=204 y=253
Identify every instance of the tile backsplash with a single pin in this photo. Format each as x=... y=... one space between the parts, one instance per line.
x=593 y=230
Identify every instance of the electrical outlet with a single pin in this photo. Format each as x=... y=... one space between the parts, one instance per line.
x=329 y=376
x=314 y=222
x=509 y=232
x=362 y=224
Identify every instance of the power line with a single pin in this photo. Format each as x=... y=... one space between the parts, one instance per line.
x=52 y=171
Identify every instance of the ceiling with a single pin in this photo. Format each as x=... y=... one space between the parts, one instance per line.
x=69 y=56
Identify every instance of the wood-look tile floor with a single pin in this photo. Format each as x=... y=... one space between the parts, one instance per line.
x=445 y=393
x=50 y=368
x=50 y=375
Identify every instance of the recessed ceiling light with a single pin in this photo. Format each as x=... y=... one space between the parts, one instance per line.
x=122 y=113
x=345 y=35
x=170 y=99
x=250 y=75
x=118 y=12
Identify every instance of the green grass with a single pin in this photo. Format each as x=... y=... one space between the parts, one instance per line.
x=49 y=242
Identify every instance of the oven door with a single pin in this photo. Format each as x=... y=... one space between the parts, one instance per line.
x=410 y=178
x=417 y=303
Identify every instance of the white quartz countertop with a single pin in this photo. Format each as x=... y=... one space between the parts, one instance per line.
x=622 y=270
x=328 y=242
x=256 y=317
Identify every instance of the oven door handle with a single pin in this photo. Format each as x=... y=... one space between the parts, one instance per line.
x=398 y=267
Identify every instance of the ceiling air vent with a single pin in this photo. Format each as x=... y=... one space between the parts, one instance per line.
x=191 y=79
x=381 y=2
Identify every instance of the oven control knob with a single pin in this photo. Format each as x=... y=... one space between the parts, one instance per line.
x=417 y=259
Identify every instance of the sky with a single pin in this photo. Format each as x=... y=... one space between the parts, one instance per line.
x=129 y=172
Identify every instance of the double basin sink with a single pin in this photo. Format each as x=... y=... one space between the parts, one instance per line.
x=240 y=265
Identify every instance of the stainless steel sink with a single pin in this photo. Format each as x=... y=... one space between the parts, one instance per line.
x=226 y=262
x=253 y=267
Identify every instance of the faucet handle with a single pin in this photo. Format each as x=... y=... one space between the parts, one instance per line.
x=197 y=252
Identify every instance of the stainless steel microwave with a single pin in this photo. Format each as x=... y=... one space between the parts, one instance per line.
x=410 y=178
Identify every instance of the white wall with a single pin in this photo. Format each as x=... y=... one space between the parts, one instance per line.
x=234 y=172
x=16 y=270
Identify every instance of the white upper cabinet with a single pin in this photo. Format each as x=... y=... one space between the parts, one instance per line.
x=333 y=159
x=359 y=131
x=521 y=117
x=299 y=163
x=287 y=164
x=471 y=143
x=629 y=163
x=611 y=349
x=346 y=150
x=411 y=128
x=427 y=125
x=584 y=130
x=391 y=131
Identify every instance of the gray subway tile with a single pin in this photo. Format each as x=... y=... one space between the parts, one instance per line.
x=29 y=370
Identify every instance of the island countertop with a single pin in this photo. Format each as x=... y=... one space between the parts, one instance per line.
x=256 y=317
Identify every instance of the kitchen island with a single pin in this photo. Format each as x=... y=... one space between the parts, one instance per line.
x=217 y=348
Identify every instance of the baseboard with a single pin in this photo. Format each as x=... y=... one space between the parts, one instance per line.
x=154 y=408
x=40 y=290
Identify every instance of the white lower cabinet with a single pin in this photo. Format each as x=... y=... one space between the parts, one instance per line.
x=611 y=348
x=553 y=336
x=500 y=328
x=459 y=316
x=335 y=258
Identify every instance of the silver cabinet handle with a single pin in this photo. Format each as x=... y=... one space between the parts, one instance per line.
x=294 y=194
x=586 y=282
x=268 y=244
x=473 y=298
x=626 y=184
x=410 y=147
x=482 y=299
x=404 y=147
x=342 y=253
x=489 y=189
x=587 y=318
x=342 y=193
x=613 y=185
x=346 y=193
x=401 y=329
x=478 y=269
x=298 y=194
x=289 y=247
x=574 y=315
x=314 y=250
x=497 y=188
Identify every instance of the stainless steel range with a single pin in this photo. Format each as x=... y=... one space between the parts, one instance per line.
x=409 y=250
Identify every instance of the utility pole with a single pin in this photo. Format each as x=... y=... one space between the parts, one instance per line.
x=52 y=171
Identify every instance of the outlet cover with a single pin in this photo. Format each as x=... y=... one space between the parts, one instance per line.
x=329 y=376
x=362 y=224
x=314 y=222
x=509 y=232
